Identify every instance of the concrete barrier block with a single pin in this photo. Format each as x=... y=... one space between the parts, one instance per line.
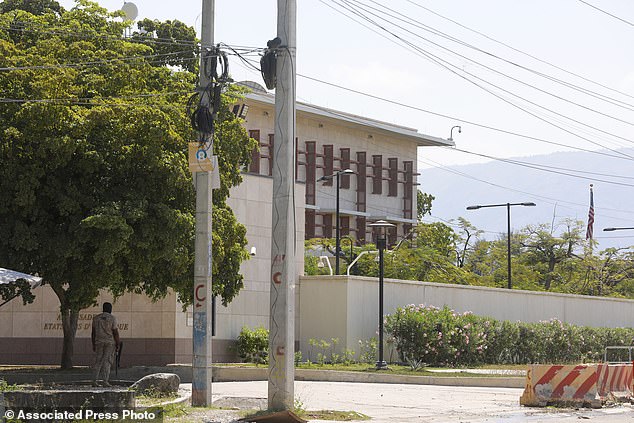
x=564 y=385
x=616 y=380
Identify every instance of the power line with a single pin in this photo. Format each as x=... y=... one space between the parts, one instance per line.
x=523 y=52
x=435 y=164
x=607 y=13
x=18 y=26
x=552 y=200
x=447 y=65
x=92 y=63
x=417 y=24
x=537 y=167
x=454 y=118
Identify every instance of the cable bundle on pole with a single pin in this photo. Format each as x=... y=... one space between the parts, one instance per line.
x=216 y=68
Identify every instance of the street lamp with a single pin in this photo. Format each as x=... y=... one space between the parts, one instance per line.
x=380 y=243
x=508 y=240
x=337 y=238
x=616 y=229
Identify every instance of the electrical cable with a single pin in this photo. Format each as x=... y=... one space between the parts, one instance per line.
x=458 y=119
x=487 y=182
x=134 y=38
x=91 y=63
x=552 y=200
x=543 y=91
x=447 y=66
x=523 y=52
x=607 y=13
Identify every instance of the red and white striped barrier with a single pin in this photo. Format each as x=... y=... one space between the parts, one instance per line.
x=615 y=379
x=553 y=384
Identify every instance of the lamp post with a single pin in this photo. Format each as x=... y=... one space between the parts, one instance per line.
x=617 y=229
x=380 y=243
x=337 y=237
x=508 y=221
x=351 y=245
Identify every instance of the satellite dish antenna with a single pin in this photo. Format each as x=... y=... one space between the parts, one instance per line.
x=130 y=10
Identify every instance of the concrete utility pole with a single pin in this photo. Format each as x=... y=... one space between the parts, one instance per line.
x=283 y=241
x=201 y=363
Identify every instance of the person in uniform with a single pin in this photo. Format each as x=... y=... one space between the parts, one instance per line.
x=105 y=342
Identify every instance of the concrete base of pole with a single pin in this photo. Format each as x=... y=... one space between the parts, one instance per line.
x=381 y=365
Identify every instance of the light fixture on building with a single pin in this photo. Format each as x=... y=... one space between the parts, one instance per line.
x=241 y=111
x=451 y=132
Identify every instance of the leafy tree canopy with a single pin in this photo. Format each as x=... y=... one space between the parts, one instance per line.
x=94 y=181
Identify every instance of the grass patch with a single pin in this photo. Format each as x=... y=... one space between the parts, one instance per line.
x=5 y=387
x=394 y=369
x=340 y=416
x=153 y=400
x=333 y=415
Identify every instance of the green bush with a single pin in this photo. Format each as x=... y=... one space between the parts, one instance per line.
x=434 y=336
x=253 y=345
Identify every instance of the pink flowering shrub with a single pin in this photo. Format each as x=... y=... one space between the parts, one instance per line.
x=435 y=336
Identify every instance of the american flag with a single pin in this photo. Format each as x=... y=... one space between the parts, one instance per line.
x=590 y=215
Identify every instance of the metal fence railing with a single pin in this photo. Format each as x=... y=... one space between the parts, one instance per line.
x=618 y=354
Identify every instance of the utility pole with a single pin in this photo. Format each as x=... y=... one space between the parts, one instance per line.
x=283 y=241
x=202 y=327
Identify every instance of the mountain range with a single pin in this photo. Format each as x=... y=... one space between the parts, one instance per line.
x=560 y=188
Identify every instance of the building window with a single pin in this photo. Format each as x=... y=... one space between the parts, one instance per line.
x=391 y=236
x=270 y=155
x=311 y=170
x=327 y=226
x=345 y=164
x=344 y=225
x=361 y=230
x=361 y=182
x=377 y=174
x=392 y=190
x=408 y=194
x=329 y=158
x=254 y=167
x=310 y=224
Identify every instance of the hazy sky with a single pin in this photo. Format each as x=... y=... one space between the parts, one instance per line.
x=592 y=110
x=334 y=48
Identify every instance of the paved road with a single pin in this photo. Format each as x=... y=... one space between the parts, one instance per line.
x=394 y=403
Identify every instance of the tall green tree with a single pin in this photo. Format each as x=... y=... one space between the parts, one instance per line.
x=423 y=204
x=544 y=250
x=94 y=182
x=466 y=237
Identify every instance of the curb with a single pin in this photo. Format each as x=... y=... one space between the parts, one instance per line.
x=246 y=374
x=243 y=374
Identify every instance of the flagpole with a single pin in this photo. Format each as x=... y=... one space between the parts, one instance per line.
x=590 y=228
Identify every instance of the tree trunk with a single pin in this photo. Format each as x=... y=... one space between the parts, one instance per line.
x=69 y=324
x=549 y=276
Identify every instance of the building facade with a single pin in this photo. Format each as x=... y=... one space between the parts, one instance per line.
x=382 y=187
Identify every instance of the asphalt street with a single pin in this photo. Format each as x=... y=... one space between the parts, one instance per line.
x=395 y=403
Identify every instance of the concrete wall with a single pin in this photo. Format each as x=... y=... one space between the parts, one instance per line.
x=347 y=307
x=32 y=333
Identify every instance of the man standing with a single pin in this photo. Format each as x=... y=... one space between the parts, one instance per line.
x=105 y=341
